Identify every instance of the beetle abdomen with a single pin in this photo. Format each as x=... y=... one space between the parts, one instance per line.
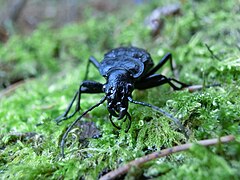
x=135 y=60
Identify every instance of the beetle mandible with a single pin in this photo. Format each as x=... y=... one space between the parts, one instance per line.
x=125 y=69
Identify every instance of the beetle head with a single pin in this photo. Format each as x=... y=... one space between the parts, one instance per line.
x=118 y=88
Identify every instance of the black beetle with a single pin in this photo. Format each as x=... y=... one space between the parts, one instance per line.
x=125 y=69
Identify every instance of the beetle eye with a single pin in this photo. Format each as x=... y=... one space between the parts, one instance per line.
x=104 y=88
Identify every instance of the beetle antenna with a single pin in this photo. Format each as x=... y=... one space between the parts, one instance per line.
x=74 y=123
x=175 y=120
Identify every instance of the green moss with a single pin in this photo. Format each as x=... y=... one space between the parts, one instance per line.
x=200 y=164
x=57 y=59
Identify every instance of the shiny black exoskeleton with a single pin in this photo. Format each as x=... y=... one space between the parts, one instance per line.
x=125 y=69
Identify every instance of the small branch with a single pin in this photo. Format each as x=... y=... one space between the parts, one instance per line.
x=165 y=152
x=195 y=88
x=155 y=20
x=211 y=52
x=10 y=89
x=13 y=10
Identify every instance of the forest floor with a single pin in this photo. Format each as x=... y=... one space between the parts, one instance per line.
x=41 y=71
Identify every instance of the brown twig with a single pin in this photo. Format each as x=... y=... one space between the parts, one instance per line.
x=15 y=9
x=155 y=20
x=195 y=88
x=165 y=152
x=13 y=87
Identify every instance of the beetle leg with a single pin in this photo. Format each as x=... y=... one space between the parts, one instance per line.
x=94 y=62
x=85 y=87
x=167 y=57
x=157 y=80
x=64 y=115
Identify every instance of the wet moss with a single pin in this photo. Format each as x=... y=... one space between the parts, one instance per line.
x=57 y=59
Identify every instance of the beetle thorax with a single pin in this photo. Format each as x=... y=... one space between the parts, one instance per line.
x=118 y=88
